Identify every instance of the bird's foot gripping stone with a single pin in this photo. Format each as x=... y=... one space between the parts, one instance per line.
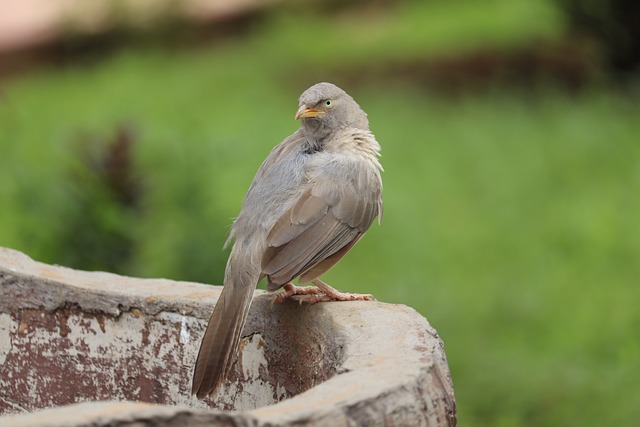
x=331 y=294
x=289 y=290
x=322 y=293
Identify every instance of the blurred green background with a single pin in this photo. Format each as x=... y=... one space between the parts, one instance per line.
x=511 y=145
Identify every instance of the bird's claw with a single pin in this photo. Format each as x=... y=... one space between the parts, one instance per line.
x=288 y=290
x=313 y=294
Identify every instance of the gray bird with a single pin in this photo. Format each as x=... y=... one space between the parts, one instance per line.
x=312 y=199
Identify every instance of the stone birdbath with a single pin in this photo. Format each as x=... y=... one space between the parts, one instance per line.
x=97 y=349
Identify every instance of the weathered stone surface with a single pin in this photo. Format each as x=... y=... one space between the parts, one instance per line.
x=126 y=348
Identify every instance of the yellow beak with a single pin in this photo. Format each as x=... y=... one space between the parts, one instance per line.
x=305 y=112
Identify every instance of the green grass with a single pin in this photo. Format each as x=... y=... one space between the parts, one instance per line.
x=511 y=221
x=406 y=30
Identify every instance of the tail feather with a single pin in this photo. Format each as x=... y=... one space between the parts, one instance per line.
x=219 y=346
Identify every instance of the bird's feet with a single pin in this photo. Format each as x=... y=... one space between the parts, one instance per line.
x=331 y=294
x=289 y=290
x=322 y=293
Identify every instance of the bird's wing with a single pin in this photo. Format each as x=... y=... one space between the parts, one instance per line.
x=318 y=230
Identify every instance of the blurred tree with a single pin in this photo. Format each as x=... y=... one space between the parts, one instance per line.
x=615 y=24
x=105 y=194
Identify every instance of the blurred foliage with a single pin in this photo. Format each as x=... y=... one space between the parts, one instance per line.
x=511 y=212
x=104 y=196
x=614 y=24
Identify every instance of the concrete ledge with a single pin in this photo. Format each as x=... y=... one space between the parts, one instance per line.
x=126 y=348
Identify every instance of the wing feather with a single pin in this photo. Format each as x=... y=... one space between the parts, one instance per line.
x=301 y=216
x=307 y=237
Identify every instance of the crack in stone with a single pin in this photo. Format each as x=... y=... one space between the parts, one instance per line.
x=15 y=405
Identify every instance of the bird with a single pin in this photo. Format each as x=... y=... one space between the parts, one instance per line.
x=311 y=200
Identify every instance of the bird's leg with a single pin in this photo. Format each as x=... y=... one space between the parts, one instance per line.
x=289 y=290
x=331 y=294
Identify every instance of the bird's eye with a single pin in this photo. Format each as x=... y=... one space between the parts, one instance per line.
x=328 y=103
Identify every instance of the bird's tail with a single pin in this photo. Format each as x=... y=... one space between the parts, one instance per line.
x=219 y=346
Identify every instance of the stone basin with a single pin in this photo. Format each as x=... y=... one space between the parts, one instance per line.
x=90 y=348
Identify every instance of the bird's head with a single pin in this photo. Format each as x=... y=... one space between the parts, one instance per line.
x=325 y=108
